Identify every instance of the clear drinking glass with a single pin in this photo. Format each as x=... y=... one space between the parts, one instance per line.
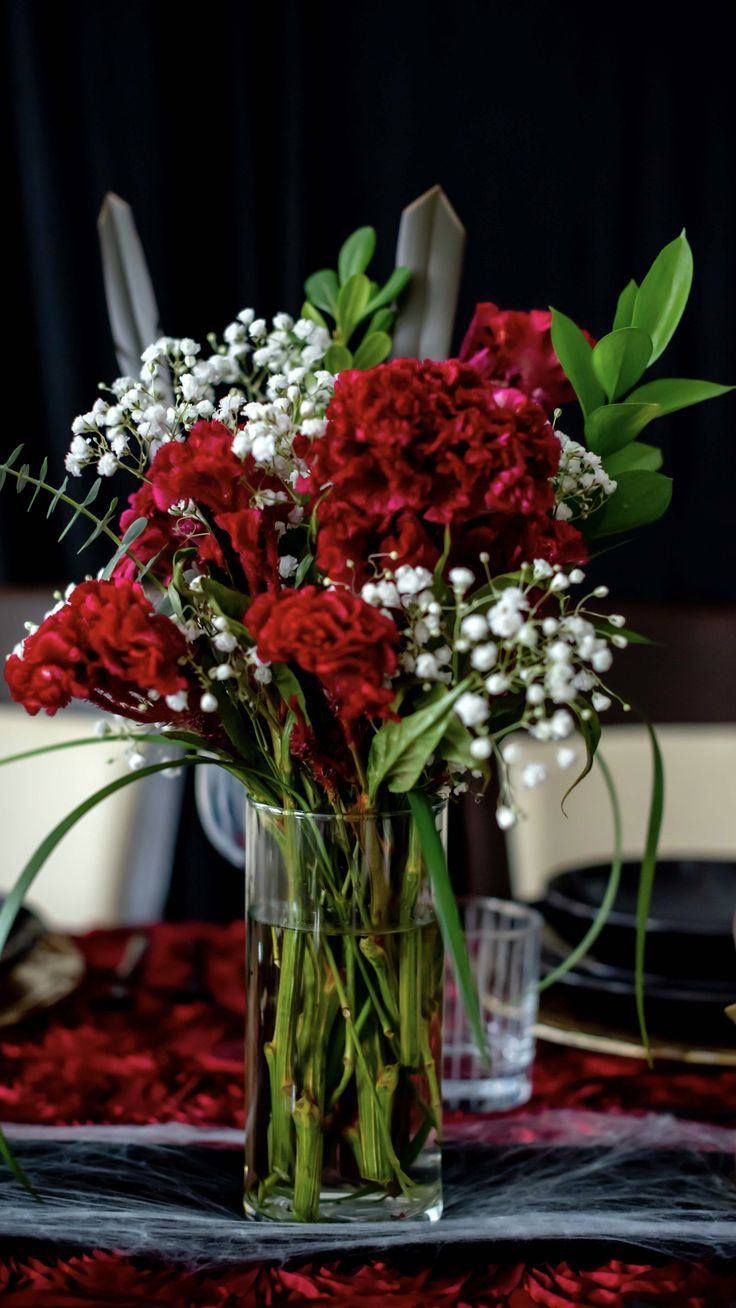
x=503 y=942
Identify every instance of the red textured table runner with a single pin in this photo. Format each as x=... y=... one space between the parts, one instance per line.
x=174 y=1052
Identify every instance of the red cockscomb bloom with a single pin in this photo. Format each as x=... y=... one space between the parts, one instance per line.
x=106 y=644
x=515 y=349
x=349 y=646
x=204 y=469
x=414 y=448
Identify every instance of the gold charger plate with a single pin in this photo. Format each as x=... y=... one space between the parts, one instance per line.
x=49 y=972
x=557 y=1025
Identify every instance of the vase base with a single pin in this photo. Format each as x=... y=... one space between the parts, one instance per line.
x=351 y=1204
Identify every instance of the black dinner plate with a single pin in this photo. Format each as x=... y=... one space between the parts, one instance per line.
x=689 y=932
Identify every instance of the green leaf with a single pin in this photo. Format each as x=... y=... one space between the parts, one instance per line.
x=620 y=358
x=356 y=253
x=633 y=637
x=10 y=1162
x=391 y=290
x=136 y=528
x=399 y=750
x=352 y=303
x=662 y=296
x=612 y=426
x=590 y=730
x=321 y=289
x=635 y=457
x=337 y=359
x=313 y=315
x=22 y=480
x=455 y=743
x=373 y=349
x=576 y=358
x=646 y=878
x=625 y=306
x=100 y=525
x=673 y=393
x=609 y=898
x=640 y=498
x=288 y=687
x=7 y=465
x=303 y=569
x=224 y=600
x=447 y=915
x=382 y=321
x=57 y=496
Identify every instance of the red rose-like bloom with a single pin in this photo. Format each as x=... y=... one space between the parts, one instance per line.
x=106 y=644
x=202 y=468
x=343 y=641
x=412 y=448
x=515 y=349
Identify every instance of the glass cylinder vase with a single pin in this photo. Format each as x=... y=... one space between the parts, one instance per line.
x=344 y=965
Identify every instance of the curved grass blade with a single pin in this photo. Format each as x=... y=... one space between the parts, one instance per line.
x=609 y=898
x=447 y=914
x=15 y=1167
x=646 y=880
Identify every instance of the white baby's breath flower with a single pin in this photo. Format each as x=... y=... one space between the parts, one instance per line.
x=461 y=579
x=472 y=709
x=481 y=747
x=505 y=817
x=288 y=565
x=533 y=775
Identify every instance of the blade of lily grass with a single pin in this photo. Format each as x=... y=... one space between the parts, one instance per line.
x=7 y=1156
x=153 y=738
x=608 y=900
x=646 y=880
x=447 y=914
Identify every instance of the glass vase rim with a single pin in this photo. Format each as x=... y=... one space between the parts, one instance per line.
x=438 y=806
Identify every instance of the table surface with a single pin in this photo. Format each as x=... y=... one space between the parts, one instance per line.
x=169 y=1049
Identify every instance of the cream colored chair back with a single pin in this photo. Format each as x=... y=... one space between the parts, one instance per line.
x=699 y=814
x=115 y=865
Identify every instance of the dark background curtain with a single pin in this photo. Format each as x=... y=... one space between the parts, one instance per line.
x=251 y=138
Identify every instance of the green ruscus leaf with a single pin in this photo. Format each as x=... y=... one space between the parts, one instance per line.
x=662 y=296
x=636 y=457
x=356 y=253
x=373 y=349
x=576 y=357
x=673 y=393
x=447 y=915
x=619 y=359
x=640 y=498
x=321 y=290
x=612 y=426
x=625 y=306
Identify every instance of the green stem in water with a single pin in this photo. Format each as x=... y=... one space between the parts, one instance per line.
x=279 y=1055
x=308 y=1171
x=404 y=1181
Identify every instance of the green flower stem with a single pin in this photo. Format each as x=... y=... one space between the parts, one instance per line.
x=349 y=1058
x=308 y=1170
x=379 y=960
x=404 y=1181
x=279 y=1054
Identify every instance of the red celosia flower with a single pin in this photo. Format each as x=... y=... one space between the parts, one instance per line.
x=202 y=468
x=414 y=448
x=107 y=644
x=515 y=349
x=348 y=645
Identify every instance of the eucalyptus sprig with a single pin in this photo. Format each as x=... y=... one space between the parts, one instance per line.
x=355 y=303
x=616 y=407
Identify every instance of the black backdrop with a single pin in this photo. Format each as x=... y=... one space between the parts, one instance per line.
x=250 y=138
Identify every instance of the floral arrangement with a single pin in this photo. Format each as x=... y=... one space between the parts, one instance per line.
x=348 y=579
